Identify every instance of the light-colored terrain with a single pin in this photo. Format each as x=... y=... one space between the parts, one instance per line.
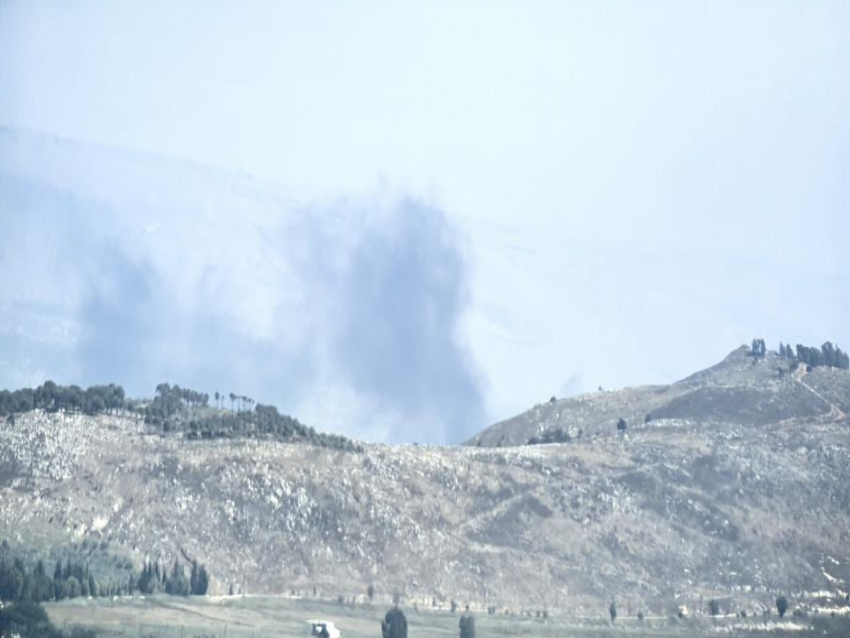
x=740 y=390
x=738 y=488
x=261 y=617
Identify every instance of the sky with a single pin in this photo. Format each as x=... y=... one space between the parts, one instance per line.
x=406 y=221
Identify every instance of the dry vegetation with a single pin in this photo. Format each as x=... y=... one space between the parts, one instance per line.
x=686 y=508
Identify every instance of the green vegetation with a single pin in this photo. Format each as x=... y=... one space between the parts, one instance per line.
x=26 y=618
x=826 y=355
x=758 y=348
x=50 y=397
x=551 y=436
x=713 y=607
x=781 y=606
x=467 y=626
x=155 y=580
x=173 y=409
x=177 y=409
x=394 y=624
x=18 y=584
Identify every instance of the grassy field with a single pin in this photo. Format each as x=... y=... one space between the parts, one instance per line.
x=255 y=617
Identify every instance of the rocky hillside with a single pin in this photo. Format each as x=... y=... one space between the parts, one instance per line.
x=740 y=390
x=737 y=487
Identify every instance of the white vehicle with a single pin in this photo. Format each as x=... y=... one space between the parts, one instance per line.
x=323 y=629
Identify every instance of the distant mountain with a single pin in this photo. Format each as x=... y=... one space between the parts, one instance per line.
x=737 y=488
x=740 y=390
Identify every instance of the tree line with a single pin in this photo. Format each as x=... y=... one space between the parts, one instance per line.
x=51 y=397
x=827 y=355
x=155 y=580
x=73 y=580
x=174 y=409
x=173 y=412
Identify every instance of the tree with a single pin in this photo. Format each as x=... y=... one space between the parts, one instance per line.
x=467 y=626
x=394 y=624
x=177 y=585
x=72 y=587
x=781 y=605
x=11 y=583
x=29 y=619
x=612 y=610
x=199 y=580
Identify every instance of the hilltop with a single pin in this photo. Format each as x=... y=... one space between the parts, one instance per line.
x=737 y=487
x=740 y=390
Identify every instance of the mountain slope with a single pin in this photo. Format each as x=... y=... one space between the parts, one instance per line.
x=740 y=390
x=682 y=509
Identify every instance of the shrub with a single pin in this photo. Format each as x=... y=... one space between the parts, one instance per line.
x=781 y=605
x=394 y=624
x=28 y=619
x=467 y=626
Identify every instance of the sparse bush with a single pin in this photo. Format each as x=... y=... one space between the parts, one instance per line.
x=558 y=435
x=28 y=618
x=394 y=624
x=781 y=606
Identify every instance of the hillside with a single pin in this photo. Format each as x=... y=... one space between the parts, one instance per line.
x=740 y=390
x=737 y=488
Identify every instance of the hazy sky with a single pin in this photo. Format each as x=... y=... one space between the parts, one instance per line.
x=405 y=221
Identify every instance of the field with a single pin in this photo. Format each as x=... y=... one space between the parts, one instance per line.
x=236 y=617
